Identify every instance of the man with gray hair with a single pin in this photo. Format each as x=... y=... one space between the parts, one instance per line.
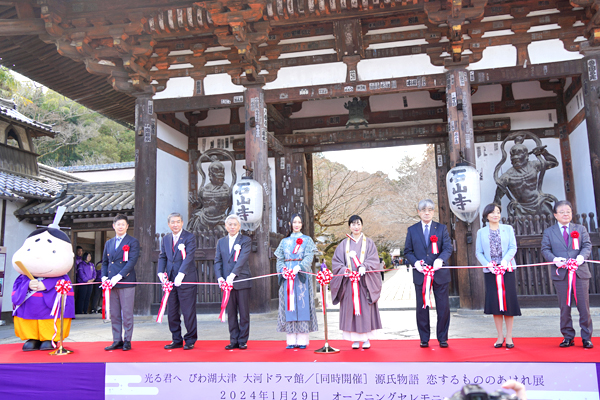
x=231 y=265
x=428 y=245
x=176 y=264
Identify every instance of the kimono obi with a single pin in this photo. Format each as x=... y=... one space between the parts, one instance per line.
x=293 y=259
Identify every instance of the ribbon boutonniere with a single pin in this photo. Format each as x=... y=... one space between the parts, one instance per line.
x=126 y=253
x=575 y=237
x=434 y=246
x=237 y=249
x=181 y=248
x=355 y=259
x=298 y=244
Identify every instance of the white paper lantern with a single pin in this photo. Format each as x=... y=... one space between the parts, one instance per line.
x=248 y=203
x=464 y=192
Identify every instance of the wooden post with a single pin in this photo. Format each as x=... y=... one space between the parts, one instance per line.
x=310 y=210
x=565 y=149
x=257 y=160
x=282 y=186
x=591 y=90
x=441 y=169
x=194 y=155
x=145 y=200
x=461 y=147
x=298 y=185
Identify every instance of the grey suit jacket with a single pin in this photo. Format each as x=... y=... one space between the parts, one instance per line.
x=224 y=264
x=170 y=259
x=553 y=245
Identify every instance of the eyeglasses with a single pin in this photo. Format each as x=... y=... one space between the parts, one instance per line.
x=564 y=212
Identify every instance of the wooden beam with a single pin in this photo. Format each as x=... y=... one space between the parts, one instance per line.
x=275 y=116
x=274 y=144
x=22 y=27
x=172 y=150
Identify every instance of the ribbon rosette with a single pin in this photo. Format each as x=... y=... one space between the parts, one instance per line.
x=226 y=288
x=571 y=266
x=181 y=248
x=167 y=287
x=499 y=271
x=354 y=259
x=289 y=275
x=106 y=286
x=355 y=279
x=126 y=253
x=575 y=237
x=62 y=287
x=298 y=244
x=428 y=271
x=324 y=277
x=434 y=246
x=237 y=249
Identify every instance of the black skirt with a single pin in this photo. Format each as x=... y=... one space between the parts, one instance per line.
x=491 y=295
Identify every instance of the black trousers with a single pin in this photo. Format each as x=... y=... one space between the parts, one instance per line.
x=239 y=301
x=442 y=306
x=83 y=299
x=182 y=300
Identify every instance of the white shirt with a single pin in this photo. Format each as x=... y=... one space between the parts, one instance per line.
x=232 y=241
x=176 y=237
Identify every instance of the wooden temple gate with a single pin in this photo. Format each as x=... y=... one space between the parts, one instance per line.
x=114 y=56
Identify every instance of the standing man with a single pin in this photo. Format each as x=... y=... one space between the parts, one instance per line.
x=118 y=262
x=231 y=261
x=419 y=251
x=562 y=241
x=176 y=264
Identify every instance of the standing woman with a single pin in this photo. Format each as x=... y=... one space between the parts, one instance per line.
x=359 y=315
x=86 y=272
x=295 y=253
x=496 y=243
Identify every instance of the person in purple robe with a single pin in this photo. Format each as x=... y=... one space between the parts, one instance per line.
x=86 y=273
x=355 y=287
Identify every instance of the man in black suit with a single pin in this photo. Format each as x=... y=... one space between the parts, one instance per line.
x=176 y=264
x=558 y=246
x=418 y=251
x=231 y=261
x=118 y=261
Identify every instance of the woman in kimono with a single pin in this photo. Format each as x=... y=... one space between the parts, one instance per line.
x=297 y=316
x=354 y=257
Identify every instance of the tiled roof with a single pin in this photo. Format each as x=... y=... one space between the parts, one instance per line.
x=87 y=199
x=98 y=167
x=58 y=175
x=9 y=109
x=18 y=187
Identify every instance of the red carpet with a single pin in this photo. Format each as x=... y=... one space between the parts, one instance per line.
x=460 y=350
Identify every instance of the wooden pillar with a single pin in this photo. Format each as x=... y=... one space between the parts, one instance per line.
x=310 y=209
x=194 y=155
x=298 y=188
x=145 y=200
x=441 y=169
x=283 y=206
x=461 y=148
x=257 y=160
x=565 y=149
x=591 y=92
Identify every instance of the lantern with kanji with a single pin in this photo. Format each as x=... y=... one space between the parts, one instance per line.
x=248 y=203
x=462 y=183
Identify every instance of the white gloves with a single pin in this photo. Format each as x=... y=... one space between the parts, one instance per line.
x=115 y=279
x=362 y=270
x=104 y=278
x=504 y=263
x=179 y=279
x=559 y=261
x=437 y=264
x=580 y=260
x=220 y=280
x=419 y=265
x=296 y=269
x=162 y=277
x=230 y=278
x=490 y=265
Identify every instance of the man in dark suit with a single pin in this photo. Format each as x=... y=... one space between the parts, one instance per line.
x=231 y=261
x=418 y=251
x=558 y=247
x=118 y=261
x=176 y=264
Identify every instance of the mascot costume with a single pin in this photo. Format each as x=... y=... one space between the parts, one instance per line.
x=43 y=261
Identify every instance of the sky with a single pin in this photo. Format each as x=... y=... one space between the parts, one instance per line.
x=384 y=159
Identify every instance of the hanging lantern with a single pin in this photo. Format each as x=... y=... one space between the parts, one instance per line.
x=464 y=191
x=248 y=203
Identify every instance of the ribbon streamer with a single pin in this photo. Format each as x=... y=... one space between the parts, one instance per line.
x=62 y=288
x=226 y=289
x=499 y=271
x=181 y=247
x=237 y=249
x=434 y=246
x=428 y=271
x=575 y=237
x=106 y=287
x=167 y=287
x=572 y=267
x=289 y=275
x=126 y=253
x=355 y=279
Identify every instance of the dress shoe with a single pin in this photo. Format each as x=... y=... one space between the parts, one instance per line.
x=444 y=344
x=126 y=345
x=510 y=345
x=498 y=345
x=114 y=346
x=47 y=345
x=424 y=344
x=356 y=345
x=587 y=344
x=232 y=346
x=32 y=345
x=567 y=343
x=188 y=346
x=243 y=346
x=173 y=345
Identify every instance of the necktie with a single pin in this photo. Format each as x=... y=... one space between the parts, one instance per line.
x=175 y=239
x=118 y=242
x=566 y=236
x=426 y=235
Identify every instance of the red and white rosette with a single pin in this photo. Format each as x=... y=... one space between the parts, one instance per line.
x=126 y=249
x=428 y=271
x=106 y=287
x=354 y=259
x=62 y=287
x=226 y=289
x=355 y=279
x=298 y=244
x=324 y=277
x=499 y=271
x=167 y=287
x=434 y=245
x=289 y=276
x=575 y=237
x=572 y=266
x=237 y=249
x=181 y=248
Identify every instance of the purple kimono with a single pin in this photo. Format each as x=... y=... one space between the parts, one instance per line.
x=39 y=304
